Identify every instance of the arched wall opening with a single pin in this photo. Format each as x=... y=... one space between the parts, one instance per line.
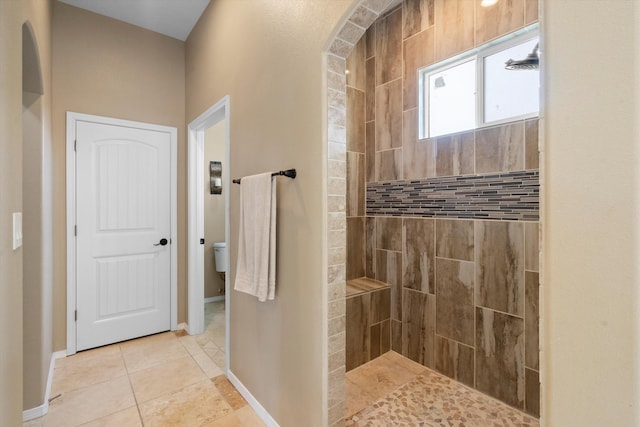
x=340 y=164
x=347 y=34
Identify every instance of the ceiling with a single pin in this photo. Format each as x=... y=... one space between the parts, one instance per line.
x=173 y=18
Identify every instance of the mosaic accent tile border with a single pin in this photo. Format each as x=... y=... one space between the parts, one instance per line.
x=498 y=196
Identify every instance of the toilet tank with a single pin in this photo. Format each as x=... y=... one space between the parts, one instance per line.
x=220 y=252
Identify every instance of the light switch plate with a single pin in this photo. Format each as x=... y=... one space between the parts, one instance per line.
x=17 y=230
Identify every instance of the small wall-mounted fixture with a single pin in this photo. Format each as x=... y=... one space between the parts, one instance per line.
x=487 y=3
x=215 y=177
x=531 y=62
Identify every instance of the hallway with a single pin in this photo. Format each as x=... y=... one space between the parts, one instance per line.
x=165 y=379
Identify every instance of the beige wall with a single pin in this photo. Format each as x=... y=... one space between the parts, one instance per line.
x=214 y=150
x=35 y=376
x=12 y=16
x=36 y=206
x=108 y=68
x=590 y=297
x=10 y=201
x=266 y=55
x=37 y=306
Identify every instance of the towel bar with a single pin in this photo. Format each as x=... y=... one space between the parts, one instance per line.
x=289 y=173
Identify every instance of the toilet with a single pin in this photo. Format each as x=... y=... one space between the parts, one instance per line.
x=220 y=251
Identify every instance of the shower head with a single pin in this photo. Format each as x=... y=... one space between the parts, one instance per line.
x=531 y=62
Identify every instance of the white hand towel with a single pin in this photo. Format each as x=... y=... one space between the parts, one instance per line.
x=256 y=268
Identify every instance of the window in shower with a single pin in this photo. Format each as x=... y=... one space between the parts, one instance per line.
x=481 y=87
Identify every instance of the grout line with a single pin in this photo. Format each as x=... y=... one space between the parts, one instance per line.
x=454 y=341
x=452 y=259
x=121 y=354
x=476 y=288
x=135 y=398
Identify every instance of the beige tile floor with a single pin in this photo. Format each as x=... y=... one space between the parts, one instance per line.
x=395 y=391
x=173 y=379
x=168 y=379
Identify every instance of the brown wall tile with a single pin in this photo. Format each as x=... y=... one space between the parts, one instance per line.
x=389 y=233
x=370 y=90
x=499 y=354
x=355 y=120
x=374 y=347
x=355 y=247
x=454 y=27
x=500 y=148
x=531 y=256
x=355 y=66
x=418 y=327
x=454 y=300
x=531 y=155
x=500 y=266
x=357 y=330
x=498 y=20
x=418 y=15
x=389 y=115
x=389 y=270
x=454 y=239
x=370 y=151
x=385 y=336
x=370 y=41
x=370 y=247
x=418 y=51
x=418 y=247
x=532 y=395
x=409 y=128
x=380 y=306
x=355 y=184
x=532 y=319
x=418 y=155
x=455 y=360
x=530 y=11
x=389 y=47
x=389 y=165
x=455 y=154
x=396 y=336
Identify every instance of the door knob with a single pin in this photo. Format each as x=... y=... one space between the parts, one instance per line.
x=162 y=242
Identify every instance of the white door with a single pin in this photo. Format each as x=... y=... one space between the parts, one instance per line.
x=123 y=216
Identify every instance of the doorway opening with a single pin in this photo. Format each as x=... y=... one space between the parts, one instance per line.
x=208 y=135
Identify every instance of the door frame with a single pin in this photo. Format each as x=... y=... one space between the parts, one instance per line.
x=72 y=119
x=196 y=129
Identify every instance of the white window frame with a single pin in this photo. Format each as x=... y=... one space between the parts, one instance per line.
x=479 y=54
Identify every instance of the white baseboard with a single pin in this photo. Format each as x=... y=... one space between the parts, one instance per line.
x=183 y=326
x=39 y=411
x=262 y=413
